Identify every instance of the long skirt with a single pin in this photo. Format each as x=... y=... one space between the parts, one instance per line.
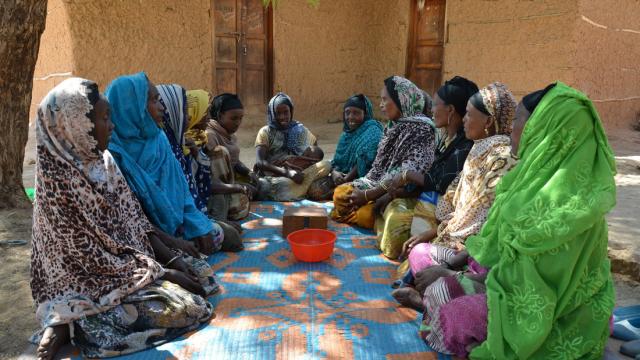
x=343 y=211
x=455 y=316
x=404 y=218
x=394 y=226
x=147 y=318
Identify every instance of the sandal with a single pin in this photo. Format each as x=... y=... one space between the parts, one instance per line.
x=626 y=312
x=627 y=330
x=13 y=242
x=631 y=348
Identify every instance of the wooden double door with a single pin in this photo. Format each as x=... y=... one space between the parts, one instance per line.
x=243 y=50
x=426 y=44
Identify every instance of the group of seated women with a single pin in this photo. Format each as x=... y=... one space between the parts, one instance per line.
x=496 y=208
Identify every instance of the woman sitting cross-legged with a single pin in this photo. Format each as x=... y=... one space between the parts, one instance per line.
x=407 y=144
x=144 y=155
x=233 y=183
x=464 y=208
x=96 y=273
x=414 y=213
x=288 y=159
x=356 y=148
x=548 y=292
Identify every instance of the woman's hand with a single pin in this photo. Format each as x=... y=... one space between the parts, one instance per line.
x=358 y=198
x=296 y=176
x=396 y=184
x=180 y=265
x=204 y=244
x=424 y=237
x=193 y=148
x=338 y=177
x=381 y=203
x=428 y=276
x=187 y=247
x=253 y=178
x=476 y=277
x=185 y=281
x=172 y=242
x=250 y=191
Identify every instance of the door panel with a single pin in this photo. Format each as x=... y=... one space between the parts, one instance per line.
x=225 y=16
x=255 y=52
x=226 y=45
x=256 y=89
x=226 y=81
x=255 y=19
x=226 y=50
x=426 y=45
x=243 y=50
x=254 y=94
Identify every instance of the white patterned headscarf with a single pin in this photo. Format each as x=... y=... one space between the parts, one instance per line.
x=64 y=128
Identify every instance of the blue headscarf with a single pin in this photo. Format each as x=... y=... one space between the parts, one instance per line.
x=144 y=156
x=294 y=139
x=358 y=147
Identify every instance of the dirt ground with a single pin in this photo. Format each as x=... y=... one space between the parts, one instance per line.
x=17 y=318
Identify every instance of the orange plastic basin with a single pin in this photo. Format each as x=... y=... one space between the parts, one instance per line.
x=312 y=245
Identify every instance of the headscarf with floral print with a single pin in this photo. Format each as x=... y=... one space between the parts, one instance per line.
x=408 y=143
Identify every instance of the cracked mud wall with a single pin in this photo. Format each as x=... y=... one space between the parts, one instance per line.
x=591 y=45
x=324 y=54
x=321 y=55
x=101 y=40
x=524 y=44
x=608 y=58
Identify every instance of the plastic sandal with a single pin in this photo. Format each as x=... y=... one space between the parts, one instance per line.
x=627 y=330
x=631 y=348
x=13 y=242
x=626 y=312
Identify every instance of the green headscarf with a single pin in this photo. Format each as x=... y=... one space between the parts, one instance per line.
x=549 y=290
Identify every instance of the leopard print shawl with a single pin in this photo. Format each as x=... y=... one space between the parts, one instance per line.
x=89 y=245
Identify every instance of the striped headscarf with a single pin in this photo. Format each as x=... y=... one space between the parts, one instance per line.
x=174 y=100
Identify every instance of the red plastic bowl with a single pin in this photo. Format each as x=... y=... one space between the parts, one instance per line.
x=312 y=245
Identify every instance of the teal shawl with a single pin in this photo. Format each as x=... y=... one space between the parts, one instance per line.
x=549 y=290
x=358 y=147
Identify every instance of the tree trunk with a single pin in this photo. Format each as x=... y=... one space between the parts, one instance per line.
x=21 y=25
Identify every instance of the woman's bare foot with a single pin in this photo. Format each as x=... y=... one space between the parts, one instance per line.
x=53 y=339
x=409 y=297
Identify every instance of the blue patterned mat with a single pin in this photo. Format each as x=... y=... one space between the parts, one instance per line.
x=273 y=307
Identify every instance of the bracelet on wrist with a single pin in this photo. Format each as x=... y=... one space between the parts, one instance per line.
x=172 y=260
